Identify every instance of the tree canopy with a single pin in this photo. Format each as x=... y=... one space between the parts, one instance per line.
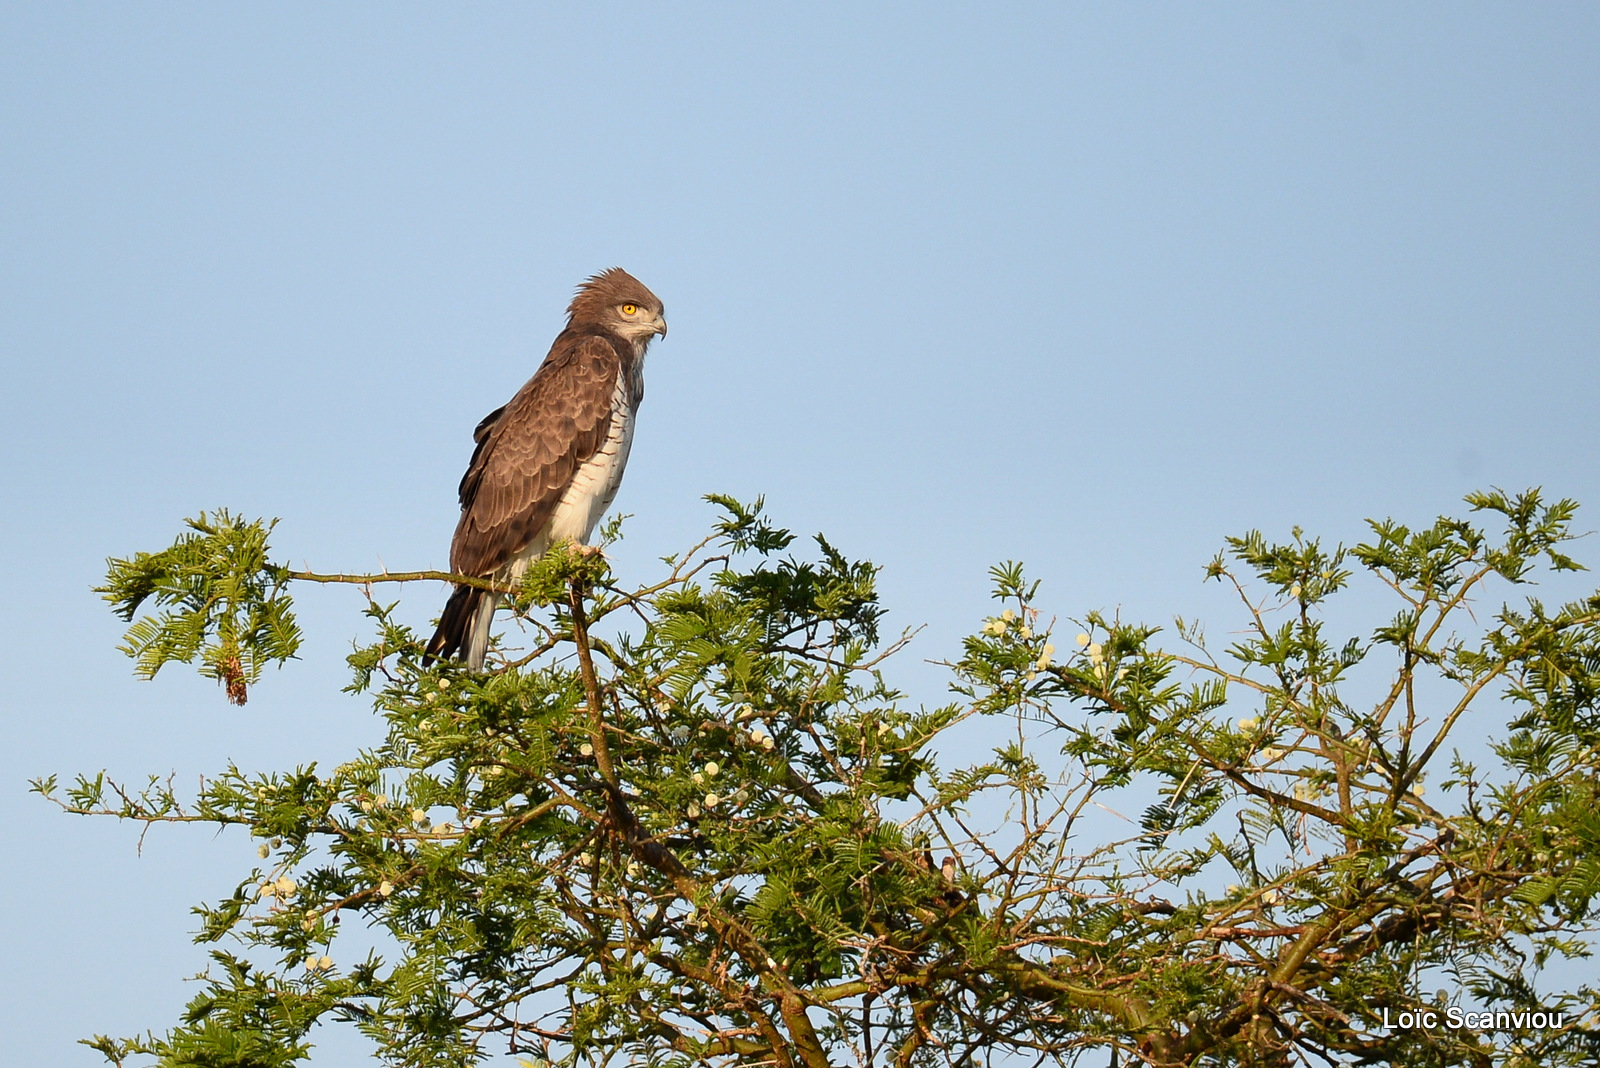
x=693 y=823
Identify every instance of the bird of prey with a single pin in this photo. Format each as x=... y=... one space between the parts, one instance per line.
x=549 y=462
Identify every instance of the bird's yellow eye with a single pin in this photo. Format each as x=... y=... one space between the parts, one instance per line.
x=629 y=309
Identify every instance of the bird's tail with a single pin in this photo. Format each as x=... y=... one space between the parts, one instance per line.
x=464 y=627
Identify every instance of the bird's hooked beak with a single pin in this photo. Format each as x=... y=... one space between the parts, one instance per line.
x=661 y=326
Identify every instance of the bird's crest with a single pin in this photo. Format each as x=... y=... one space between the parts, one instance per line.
x=606 y=290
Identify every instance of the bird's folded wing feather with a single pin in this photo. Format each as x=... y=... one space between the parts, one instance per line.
x=529 y=450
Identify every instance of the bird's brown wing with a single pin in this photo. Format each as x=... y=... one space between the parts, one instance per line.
x=528 y=452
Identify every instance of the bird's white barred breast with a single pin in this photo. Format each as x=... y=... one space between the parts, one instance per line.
x=595 y=484
x=590 y=492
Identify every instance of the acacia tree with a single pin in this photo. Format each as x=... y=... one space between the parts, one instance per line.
x=693 y=824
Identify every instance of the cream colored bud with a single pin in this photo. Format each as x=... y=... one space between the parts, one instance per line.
x=308 y=923
x=326 y=963
x=380 y=800
x=444 y=684
x=586 y=749
x=417 y=815
x=1026 y=631
x=693 y=811
x=711 y=800
x=312 y=962
x=385 y=888
x=263 y=851
x=585 y=859
x=1249 y=723
x=285 y=886
x=768 y=743
x=1082 y=639
x=697 y=778
x=1008 y=615
x=1095 y=651
x=712 y=767
x=1294 y=591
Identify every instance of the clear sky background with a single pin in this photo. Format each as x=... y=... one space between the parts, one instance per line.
x=1086 y=286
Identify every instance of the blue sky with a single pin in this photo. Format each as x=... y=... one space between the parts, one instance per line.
x=1086 y=286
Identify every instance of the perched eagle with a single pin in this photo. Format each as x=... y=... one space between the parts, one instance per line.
x=548 y=464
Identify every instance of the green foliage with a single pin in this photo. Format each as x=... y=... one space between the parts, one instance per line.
x=718 y=835
x=228 y=604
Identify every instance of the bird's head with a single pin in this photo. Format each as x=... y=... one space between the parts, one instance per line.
x=618 y=302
